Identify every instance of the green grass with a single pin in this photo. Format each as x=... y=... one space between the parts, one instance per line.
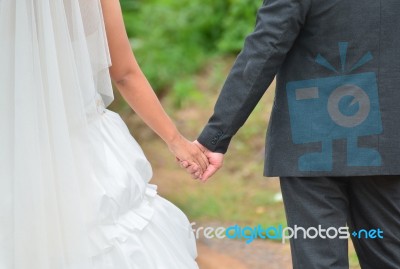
x=238 y=193
x=231 y=200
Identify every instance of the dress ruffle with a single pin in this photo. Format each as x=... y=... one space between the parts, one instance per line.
x=119 y=228
x=136 y=227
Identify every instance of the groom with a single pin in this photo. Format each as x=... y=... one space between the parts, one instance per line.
x=333 y=134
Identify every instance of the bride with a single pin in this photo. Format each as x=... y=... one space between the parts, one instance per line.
x=74 y=184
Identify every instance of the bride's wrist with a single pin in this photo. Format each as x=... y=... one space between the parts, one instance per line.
x=174 y=139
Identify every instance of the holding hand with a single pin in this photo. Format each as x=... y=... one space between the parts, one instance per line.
x=186 y=151
x=215 y=162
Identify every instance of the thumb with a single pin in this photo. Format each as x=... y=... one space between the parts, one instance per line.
x=210 y=171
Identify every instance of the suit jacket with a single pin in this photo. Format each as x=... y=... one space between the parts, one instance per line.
x=336 y=110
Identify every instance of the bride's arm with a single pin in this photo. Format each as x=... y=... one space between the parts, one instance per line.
x=134 y=87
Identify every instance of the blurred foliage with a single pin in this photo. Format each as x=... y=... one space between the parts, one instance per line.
x=173 y=39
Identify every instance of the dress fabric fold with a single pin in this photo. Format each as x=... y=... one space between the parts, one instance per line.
x=74 y=184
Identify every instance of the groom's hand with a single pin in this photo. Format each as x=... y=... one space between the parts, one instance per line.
x=215 y=163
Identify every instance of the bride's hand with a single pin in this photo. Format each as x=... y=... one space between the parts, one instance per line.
x=184 y=150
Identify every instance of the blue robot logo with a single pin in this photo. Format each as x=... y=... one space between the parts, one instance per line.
x=339 y=107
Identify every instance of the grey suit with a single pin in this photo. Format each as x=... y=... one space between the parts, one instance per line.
x=333 y=137
x=336 y=110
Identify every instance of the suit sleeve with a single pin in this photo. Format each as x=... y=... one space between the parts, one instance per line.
x=277 y=27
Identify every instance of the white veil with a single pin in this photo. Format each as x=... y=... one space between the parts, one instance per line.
x=54 y=57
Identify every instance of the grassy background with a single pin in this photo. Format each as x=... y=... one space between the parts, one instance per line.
x=238 y=193
x=186 y=48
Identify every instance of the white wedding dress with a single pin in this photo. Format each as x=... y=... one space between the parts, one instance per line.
x=74 y=184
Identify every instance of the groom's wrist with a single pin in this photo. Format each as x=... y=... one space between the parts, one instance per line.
x=214 y=140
